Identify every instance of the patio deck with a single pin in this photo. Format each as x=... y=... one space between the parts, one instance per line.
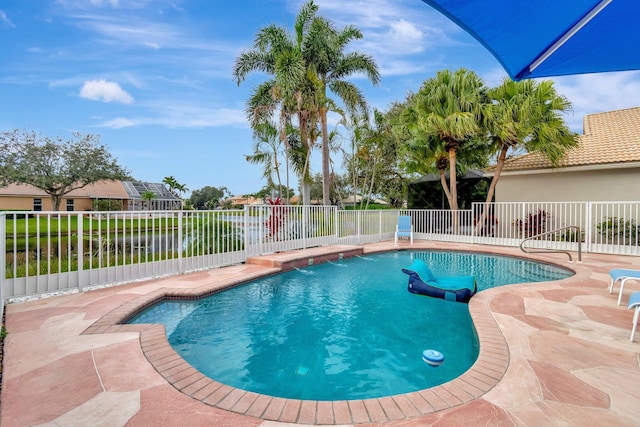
x=553 y=353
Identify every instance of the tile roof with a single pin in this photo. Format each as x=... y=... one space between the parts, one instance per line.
x=101 y=189
x=609 y=138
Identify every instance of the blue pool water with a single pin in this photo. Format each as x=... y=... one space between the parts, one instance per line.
x=343 y=330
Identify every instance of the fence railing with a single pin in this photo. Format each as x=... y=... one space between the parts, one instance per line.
x=49 y=252
x=280 y=228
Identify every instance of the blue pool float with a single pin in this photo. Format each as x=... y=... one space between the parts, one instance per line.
x=422 y=281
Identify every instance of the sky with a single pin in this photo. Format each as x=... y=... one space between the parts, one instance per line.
x=153 y=78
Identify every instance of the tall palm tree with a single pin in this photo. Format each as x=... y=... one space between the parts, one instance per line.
x=525 y=115
x=324 y=53
x=447 y=110
x=291 y=88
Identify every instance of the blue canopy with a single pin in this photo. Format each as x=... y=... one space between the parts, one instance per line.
x=545 y=38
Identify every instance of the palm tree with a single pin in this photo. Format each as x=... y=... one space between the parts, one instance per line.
x=525 y=115
x=447 y=110
x=147 y=197
x=425 y=155
x=324 y=53
x=290 y=91
x=174 y=186
x=265 y=152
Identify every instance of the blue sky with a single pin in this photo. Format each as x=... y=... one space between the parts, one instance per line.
x=153 y=78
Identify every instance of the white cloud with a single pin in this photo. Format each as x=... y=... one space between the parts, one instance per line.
x=399 y=67
x=595 y=93
x=182 y=116
x=119 y=123
x=152 y=45
x=5 y=21
x=102 y=90
x=113 y=3
x=396 y=33
x=405 y=32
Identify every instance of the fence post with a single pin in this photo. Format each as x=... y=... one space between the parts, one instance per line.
x=3 y=260
x=180 y=242
x=474 y=226
x=305 y=220
x=80 y=254
x=588 y=227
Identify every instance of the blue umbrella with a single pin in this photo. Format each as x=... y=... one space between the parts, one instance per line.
x=542 y=38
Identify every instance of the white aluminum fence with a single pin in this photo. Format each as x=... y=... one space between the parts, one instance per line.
x=359 y=227
x=440 y=224
x=507 y=224
x=605 y=227
x=48 y=252
x=278 y=228
x=614 y=228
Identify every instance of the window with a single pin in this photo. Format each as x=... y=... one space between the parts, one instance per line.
x=69 y=205
x=37 y=205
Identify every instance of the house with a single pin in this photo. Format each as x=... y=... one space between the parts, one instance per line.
x=241 y=201
x=605 y=166
x=102 y=195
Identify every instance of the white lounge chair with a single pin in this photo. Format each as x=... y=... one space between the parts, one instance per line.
x=404 y=228
x=622 y=275
x=634 y=302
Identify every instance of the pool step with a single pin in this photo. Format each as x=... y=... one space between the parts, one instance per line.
x=286 y=261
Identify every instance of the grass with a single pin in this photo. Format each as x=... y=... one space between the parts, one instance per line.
x=52 y=245
x=34 y=266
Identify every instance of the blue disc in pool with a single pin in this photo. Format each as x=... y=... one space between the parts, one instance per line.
x=433 y=357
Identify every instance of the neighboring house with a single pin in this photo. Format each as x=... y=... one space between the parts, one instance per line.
x=103 y=195
x=605 y=166
x=164 y=199
x=243 y=200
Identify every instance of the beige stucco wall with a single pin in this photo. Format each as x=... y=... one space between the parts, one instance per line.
x=26 y=203
x=565 y=186
x=16 y=203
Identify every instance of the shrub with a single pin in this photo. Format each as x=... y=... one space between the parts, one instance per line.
x=617 y=228
x=533 y=224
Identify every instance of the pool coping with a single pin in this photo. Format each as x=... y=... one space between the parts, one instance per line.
x=487 y=371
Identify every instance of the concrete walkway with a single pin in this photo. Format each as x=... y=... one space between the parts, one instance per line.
x=554 y=353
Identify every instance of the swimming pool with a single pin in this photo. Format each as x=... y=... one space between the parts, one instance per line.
x=337 y=331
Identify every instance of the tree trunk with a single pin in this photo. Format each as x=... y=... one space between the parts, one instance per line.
x=445 y=186
x=277 y=168
x=326 y=175
x=453 y=180
x=492 y=188
x=354 y=173
x=55 y=201
x=453 y=188
x=286 y=155
x=306 y=193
